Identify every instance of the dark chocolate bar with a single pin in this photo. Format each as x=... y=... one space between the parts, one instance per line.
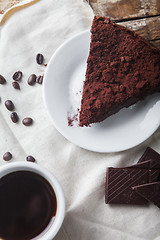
x=119 y=183
x=150 y=154
x=154 y=175
x=143 y=165
x=150 y=192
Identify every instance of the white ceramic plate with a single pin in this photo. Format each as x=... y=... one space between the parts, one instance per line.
x=62 y=92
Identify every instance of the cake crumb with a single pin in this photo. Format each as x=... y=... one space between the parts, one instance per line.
x=72 y=119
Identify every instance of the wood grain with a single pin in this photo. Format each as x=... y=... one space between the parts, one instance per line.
x=125 y=9
x=148 y=28
x=156 y=43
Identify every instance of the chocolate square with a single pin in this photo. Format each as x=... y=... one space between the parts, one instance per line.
x=150 y=192
x=152 y=155
x=154 y=175
x=119 y=183
x=143 y=165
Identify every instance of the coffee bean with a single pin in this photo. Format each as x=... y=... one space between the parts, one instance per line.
x=2 y=79
x=14 y=117
x=16 y=85
x=30 y=159
x=17 y=76
x=9 y=105
x=39 y=79
x=27 y=121
x=39 y=58
x=7 y=156
x=32 y=79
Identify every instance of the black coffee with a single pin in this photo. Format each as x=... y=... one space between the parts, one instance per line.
x=27 y=205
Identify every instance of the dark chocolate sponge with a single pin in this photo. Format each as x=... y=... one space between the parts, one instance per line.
x=122 y=68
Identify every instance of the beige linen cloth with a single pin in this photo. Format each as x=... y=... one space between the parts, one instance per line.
x=43 y=27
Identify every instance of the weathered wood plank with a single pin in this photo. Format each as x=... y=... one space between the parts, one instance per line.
x=149 y=28
x=125 y=9
x=156 y=43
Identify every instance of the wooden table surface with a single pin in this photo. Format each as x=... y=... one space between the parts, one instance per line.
x=142 y=16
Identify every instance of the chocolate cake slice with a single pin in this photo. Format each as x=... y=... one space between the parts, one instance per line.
x=122 y=68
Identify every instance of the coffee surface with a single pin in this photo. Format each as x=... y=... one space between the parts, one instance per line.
x=27 y=205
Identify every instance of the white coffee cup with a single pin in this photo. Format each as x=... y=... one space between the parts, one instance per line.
x=53 y=227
